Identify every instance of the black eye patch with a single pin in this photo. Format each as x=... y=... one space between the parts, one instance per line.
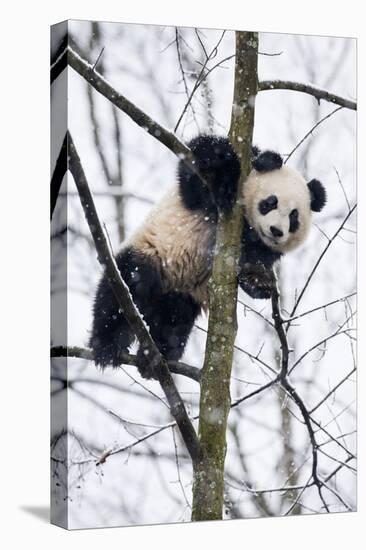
x=268 y=204
x=294 y=221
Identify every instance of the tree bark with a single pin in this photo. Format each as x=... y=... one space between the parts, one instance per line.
x=208 y=483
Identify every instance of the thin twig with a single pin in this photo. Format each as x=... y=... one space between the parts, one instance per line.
x=312 y=272
x=98 y=58
x=177 y=37
x=338 y=300
x=342 y=187
x=249 y=308
x=178 y=470
x=310 y=132
x=200 y=78
x=318 y=344
x=333 y=390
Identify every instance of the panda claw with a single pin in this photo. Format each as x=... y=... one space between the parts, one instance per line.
x=257 y=281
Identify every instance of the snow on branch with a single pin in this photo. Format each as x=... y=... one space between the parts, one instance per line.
x=124 y=299
x=318 y=93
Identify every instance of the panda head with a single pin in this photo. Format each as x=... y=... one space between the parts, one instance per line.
x=279 y=202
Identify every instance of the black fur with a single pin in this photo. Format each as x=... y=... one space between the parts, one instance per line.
x=255 y=152
x=170 y=316
x=267 y=161
x=294 y=221
x=318 y=195
x=219 y=164
x=111 y=333
x=268 y=204
x=254 y=250
x=255 y=266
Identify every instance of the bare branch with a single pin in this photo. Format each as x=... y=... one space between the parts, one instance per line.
x=123 y=297
x=318 y=93
x=319 y=307
x=59 y=62
x=311 y=131
x=321 y=342
x=73 y=351
x=255 y=392
x=58 y=174
x=178 y=470
x=330 y=241
x=180 y=61
x=343 y=189
x=283 y=378
x=113 y=192
x=98 y=82
x=126 y=359
x=258 y=313
x=201 y=77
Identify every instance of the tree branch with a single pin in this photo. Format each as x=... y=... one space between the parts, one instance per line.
x=58 y=174
x=333 y=390
x=311 y=131
x=330 y=241
x=59 y=61
x=283 y=379
x=98 y=82
x=324 y=306
x=123 y=297
x=126 y=359
x=318 y=93
x=200 y=78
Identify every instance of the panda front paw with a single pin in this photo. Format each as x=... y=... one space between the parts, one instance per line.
x=225 y=200
x=257 y=281
x=147 y=366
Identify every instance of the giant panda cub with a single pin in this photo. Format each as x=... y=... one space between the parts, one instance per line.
x=167 y=262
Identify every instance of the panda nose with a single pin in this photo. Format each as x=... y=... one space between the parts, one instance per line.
x=275 y=231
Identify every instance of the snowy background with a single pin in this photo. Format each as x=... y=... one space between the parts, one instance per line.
x=268 y=445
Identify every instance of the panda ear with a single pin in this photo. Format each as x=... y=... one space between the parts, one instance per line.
x=267 y=161
x=318 y=195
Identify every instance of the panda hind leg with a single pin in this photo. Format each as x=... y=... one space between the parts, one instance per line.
x=170 y=321
x=111 y=335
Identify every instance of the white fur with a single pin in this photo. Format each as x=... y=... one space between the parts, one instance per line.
x=180 y=243
x=292 y=192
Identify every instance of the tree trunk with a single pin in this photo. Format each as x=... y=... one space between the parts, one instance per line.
x=208 y=483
